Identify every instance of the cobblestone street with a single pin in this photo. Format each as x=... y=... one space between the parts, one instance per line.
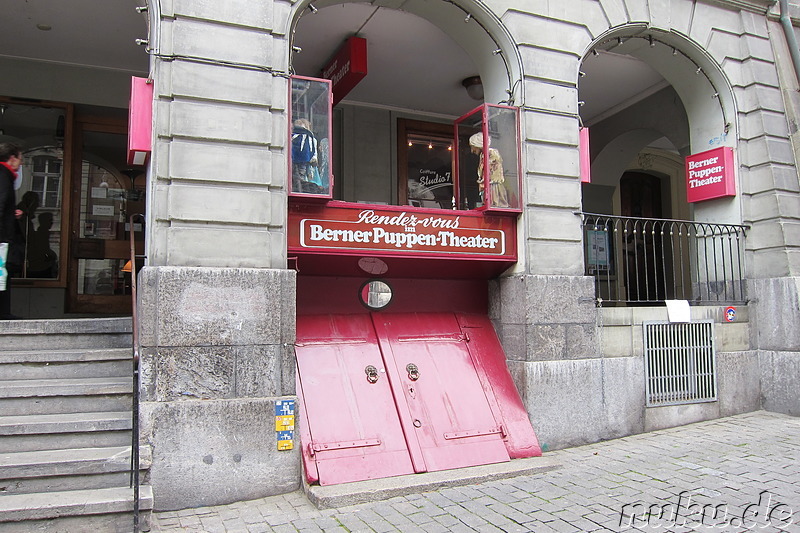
x=740 y=473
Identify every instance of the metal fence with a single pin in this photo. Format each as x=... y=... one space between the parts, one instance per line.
x=644 y=261
x=680 y=365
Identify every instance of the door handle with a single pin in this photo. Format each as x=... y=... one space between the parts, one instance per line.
x=413 y=371
x=372 y=373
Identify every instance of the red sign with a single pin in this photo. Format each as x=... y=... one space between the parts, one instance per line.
x=397 y=231
x=347 y=68
x=585 y=155
x=140 y=121
x=710 y=175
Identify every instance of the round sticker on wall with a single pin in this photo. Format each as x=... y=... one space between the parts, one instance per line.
x=730 y=314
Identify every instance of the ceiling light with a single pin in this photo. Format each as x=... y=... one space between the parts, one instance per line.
x=474 y=87
x=44 y=27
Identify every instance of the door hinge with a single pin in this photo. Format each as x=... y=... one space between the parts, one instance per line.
x=328 y=446
x=473 y=433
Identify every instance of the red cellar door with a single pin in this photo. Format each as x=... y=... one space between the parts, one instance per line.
x=442 y=404
x=395 y=393
x=352 y=421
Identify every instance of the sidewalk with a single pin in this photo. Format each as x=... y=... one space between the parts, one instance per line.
x=734 y=474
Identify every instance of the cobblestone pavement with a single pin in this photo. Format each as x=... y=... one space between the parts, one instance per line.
x=740 y=473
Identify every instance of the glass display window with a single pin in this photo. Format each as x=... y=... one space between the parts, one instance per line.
x=425 y=164
x=488 y=159
x=310 y=136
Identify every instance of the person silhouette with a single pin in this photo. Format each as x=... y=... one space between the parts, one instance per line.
x=42 y=260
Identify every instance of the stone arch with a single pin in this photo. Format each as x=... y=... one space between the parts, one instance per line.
x=704 y=91
x=470 y=24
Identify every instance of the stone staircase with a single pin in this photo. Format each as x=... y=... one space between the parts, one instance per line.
x=65 y=427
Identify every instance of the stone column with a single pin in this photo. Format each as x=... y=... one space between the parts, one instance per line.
x=217 y=303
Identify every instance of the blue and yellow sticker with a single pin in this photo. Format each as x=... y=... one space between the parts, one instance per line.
x=285 y=440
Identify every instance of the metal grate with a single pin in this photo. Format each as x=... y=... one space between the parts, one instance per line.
x=680 y=365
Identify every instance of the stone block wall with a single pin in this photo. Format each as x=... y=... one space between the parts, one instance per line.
x=776 y=304
x=582 y=376
x=218 y=190
x=216 y=353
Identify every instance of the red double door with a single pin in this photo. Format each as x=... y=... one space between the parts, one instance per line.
x=390 y=394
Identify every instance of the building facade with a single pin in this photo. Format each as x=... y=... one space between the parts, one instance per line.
x=225 y=284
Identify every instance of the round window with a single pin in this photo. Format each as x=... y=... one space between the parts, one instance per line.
x=375 y=294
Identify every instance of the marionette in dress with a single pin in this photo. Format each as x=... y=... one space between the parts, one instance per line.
x=499 y=194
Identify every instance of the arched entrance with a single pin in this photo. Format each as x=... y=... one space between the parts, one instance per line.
x=649 y=98
x=419 y=384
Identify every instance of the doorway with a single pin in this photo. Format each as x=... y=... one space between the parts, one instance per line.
x=417 y=388
x=643 y=268
x=106 y=194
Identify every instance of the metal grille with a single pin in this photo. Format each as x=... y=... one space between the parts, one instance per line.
x=680 y=365
x=643 y=261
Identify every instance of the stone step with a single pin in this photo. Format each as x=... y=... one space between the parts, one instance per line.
x=29 y=388
x=64 y=404
x=19 y=335
x=34 y=485
x=69 y=395
x=68 y=462
x=50 y=364
x=58 y=431
x=103 y=510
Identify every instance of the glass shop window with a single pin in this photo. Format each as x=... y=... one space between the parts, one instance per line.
x=488 y=160
x=311 y=125
x=473 y=164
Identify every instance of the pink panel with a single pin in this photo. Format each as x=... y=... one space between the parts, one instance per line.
x=445 y=409
x=140 y=121
x=710 y=174
x=490 y=361
x=354 y=430
x=585 y=155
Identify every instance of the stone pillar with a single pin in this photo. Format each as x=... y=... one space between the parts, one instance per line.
x=574 y=395
x=217 y=304
x=217 y=351
x=775 y=303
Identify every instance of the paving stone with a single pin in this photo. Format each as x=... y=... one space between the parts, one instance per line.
x=727 y=461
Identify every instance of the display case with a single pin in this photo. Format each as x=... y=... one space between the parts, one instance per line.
x=310 y=128
x=488 y=159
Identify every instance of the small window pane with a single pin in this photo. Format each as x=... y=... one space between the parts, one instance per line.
x=310 y=137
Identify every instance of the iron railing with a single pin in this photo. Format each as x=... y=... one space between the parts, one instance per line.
x=134 y=477
x=645 y=261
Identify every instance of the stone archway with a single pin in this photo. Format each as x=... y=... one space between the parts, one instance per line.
x=471 y=24
x=693 y=111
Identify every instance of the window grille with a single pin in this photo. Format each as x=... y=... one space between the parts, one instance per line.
x=680 y=362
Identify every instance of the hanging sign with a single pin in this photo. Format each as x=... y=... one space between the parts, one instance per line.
x=140 y=121
x=347 y=68
x=586 y=160
x=710 y=175
x=397 y=231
